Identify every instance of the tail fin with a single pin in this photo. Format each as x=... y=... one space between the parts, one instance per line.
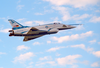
x=14 y=23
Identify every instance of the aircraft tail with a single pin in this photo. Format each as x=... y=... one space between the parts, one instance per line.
x=14 y=23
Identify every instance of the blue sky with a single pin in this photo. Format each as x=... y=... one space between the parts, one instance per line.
x=74 y=48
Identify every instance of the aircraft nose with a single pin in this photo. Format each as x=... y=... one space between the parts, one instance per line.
x=72 y=27
x=69 y=26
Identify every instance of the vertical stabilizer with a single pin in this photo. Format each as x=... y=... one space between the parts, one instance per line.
x=14 y=23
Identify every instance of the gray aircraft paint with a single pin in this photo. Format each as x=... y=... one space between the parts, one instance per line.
x=36 y=31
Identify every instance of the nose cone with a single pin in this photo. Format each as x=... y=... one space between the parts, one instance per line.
x=69 y=26
x=64 y=27
x=72 y=27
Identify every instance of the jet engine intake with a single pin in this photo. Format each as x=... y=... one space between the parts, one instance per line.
x=52 y=31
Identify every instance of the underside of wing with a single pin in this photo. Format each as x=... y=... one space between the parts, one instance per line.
x=27 y=38
x=33 y=33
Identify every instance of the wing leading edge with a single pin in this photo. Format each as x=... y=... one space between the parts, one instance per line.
x=33 y=31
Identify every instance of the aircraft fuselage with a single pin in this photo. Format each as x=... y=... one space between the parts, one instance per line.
x=43 y=29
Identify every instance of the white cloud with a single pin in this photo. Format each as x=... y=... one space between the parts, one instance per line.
x=55 y=48
x=89 y=49
x=95 y=64
x=98 y=42
x=56 y=19
x=80 y=27
x=92 y=41
x=97 y=11
x=47 y=62
x=74 y=66
x=30 y=65
x=78 y=17
x=68 y=60
x=51 y=62
x=2 y=53
x=97 y=54
x=82 y=46
x=46 y=58
x=36 y=43
x=85 y=62
x=57 y=54
x=23 y=47
x=40 y=22
x=74 y=3
x=5 y=19
x=66 y=15
x=40 y=64
x=95 y=19
x=35 y=22
x=1 y=67
x=21 y=19
x=23 y=57
x=19 y=7
x=79 y=46
x=29 y=23
x=5 y=30
x=64 y=12
x=72 y=37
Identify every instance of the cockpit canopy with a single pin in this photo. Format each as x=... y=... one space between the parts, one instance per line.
x=53 y=23
x=56 y=23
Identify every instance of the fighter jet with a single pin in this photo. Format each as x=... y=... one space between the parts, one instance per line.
x=30 y=33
